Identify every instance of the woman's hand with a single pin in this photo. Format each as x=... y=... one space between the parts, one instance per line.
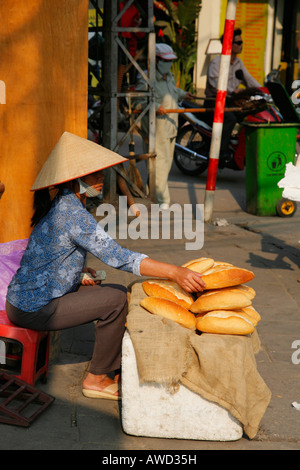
x=87 y=281
x=189 y=280
x=190 y=96
x=161 y=111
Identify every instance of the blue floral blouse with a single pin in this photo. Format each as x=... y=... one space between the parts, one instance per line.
x=56 y=252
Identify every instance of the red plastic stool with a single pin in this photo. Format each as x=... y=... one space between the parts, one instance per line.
x=35 y=352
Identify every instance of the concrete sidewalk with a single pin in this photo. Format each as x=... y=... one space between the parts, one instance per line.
x=269 y=246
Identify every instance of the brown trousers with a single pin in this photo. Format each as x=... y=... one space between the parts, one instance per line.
x=105 y=304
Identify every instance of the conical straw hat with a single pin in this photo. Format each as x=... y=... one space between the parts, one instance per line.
x=73 y=157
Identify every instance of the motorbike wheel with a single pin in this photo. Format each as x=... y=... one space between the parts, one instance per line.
x=192 y=139
x=286 y=208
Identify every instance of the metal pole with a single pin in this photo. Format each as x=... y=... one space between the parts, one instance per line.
x=114 y=45
x=152 y=116
x=110 y=73
x=219 y=111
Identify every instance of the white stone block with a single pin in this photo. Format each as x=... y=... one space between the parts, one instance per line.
x=149 y=410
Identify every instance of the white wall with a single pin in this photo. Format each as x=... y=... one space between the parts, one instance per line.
x=278 y=34
x=208 y=28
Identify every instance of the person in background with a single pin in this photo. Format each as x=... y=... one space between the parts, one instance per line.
x=167 y=96
x=47 y=293
x=238 y=75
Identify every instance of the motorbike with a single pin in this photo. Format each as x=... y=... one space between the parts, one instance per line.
x=194 y=136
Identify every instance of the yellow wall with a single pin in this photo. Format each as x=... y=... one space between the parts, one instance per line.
x=44 y=49
x=93 y=17
x=252 y=18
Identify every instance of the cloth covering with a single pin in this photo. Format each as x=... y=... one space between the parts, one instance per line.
x=220 y=368
x=10 y=258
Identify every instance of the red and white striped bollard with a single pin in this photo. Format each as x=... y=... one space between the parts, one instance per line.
x=219 y=111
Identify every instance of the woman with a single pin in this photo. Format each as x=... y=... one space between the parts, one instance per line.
x=45 y=293
x=167 y=96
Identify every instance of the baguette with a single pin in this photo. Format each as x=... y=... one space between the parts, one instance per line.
x=220 y=299
x=167 y=290
x=252 y=313
x=221 y=263
x=226 y=276
x=246 y=316
x=247 y=290
x=199 y=265
x=224 y=322
x=169 y=309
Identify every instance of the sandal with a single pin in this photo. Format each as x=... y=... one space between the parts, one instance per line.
x=107 y=392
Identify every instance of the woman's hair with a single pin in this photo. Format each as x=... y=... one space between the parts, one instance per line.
x=41 y=205
x=42 y=200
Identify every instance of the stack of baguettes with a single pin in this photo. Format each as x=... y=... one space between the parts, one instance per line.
x=224 y=307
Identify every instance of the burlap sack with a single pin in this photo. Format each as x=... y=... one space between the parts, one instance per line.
x=220 y=368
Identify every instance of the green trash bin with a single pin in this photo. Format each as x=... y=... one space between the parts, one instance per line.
x=269 y=147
